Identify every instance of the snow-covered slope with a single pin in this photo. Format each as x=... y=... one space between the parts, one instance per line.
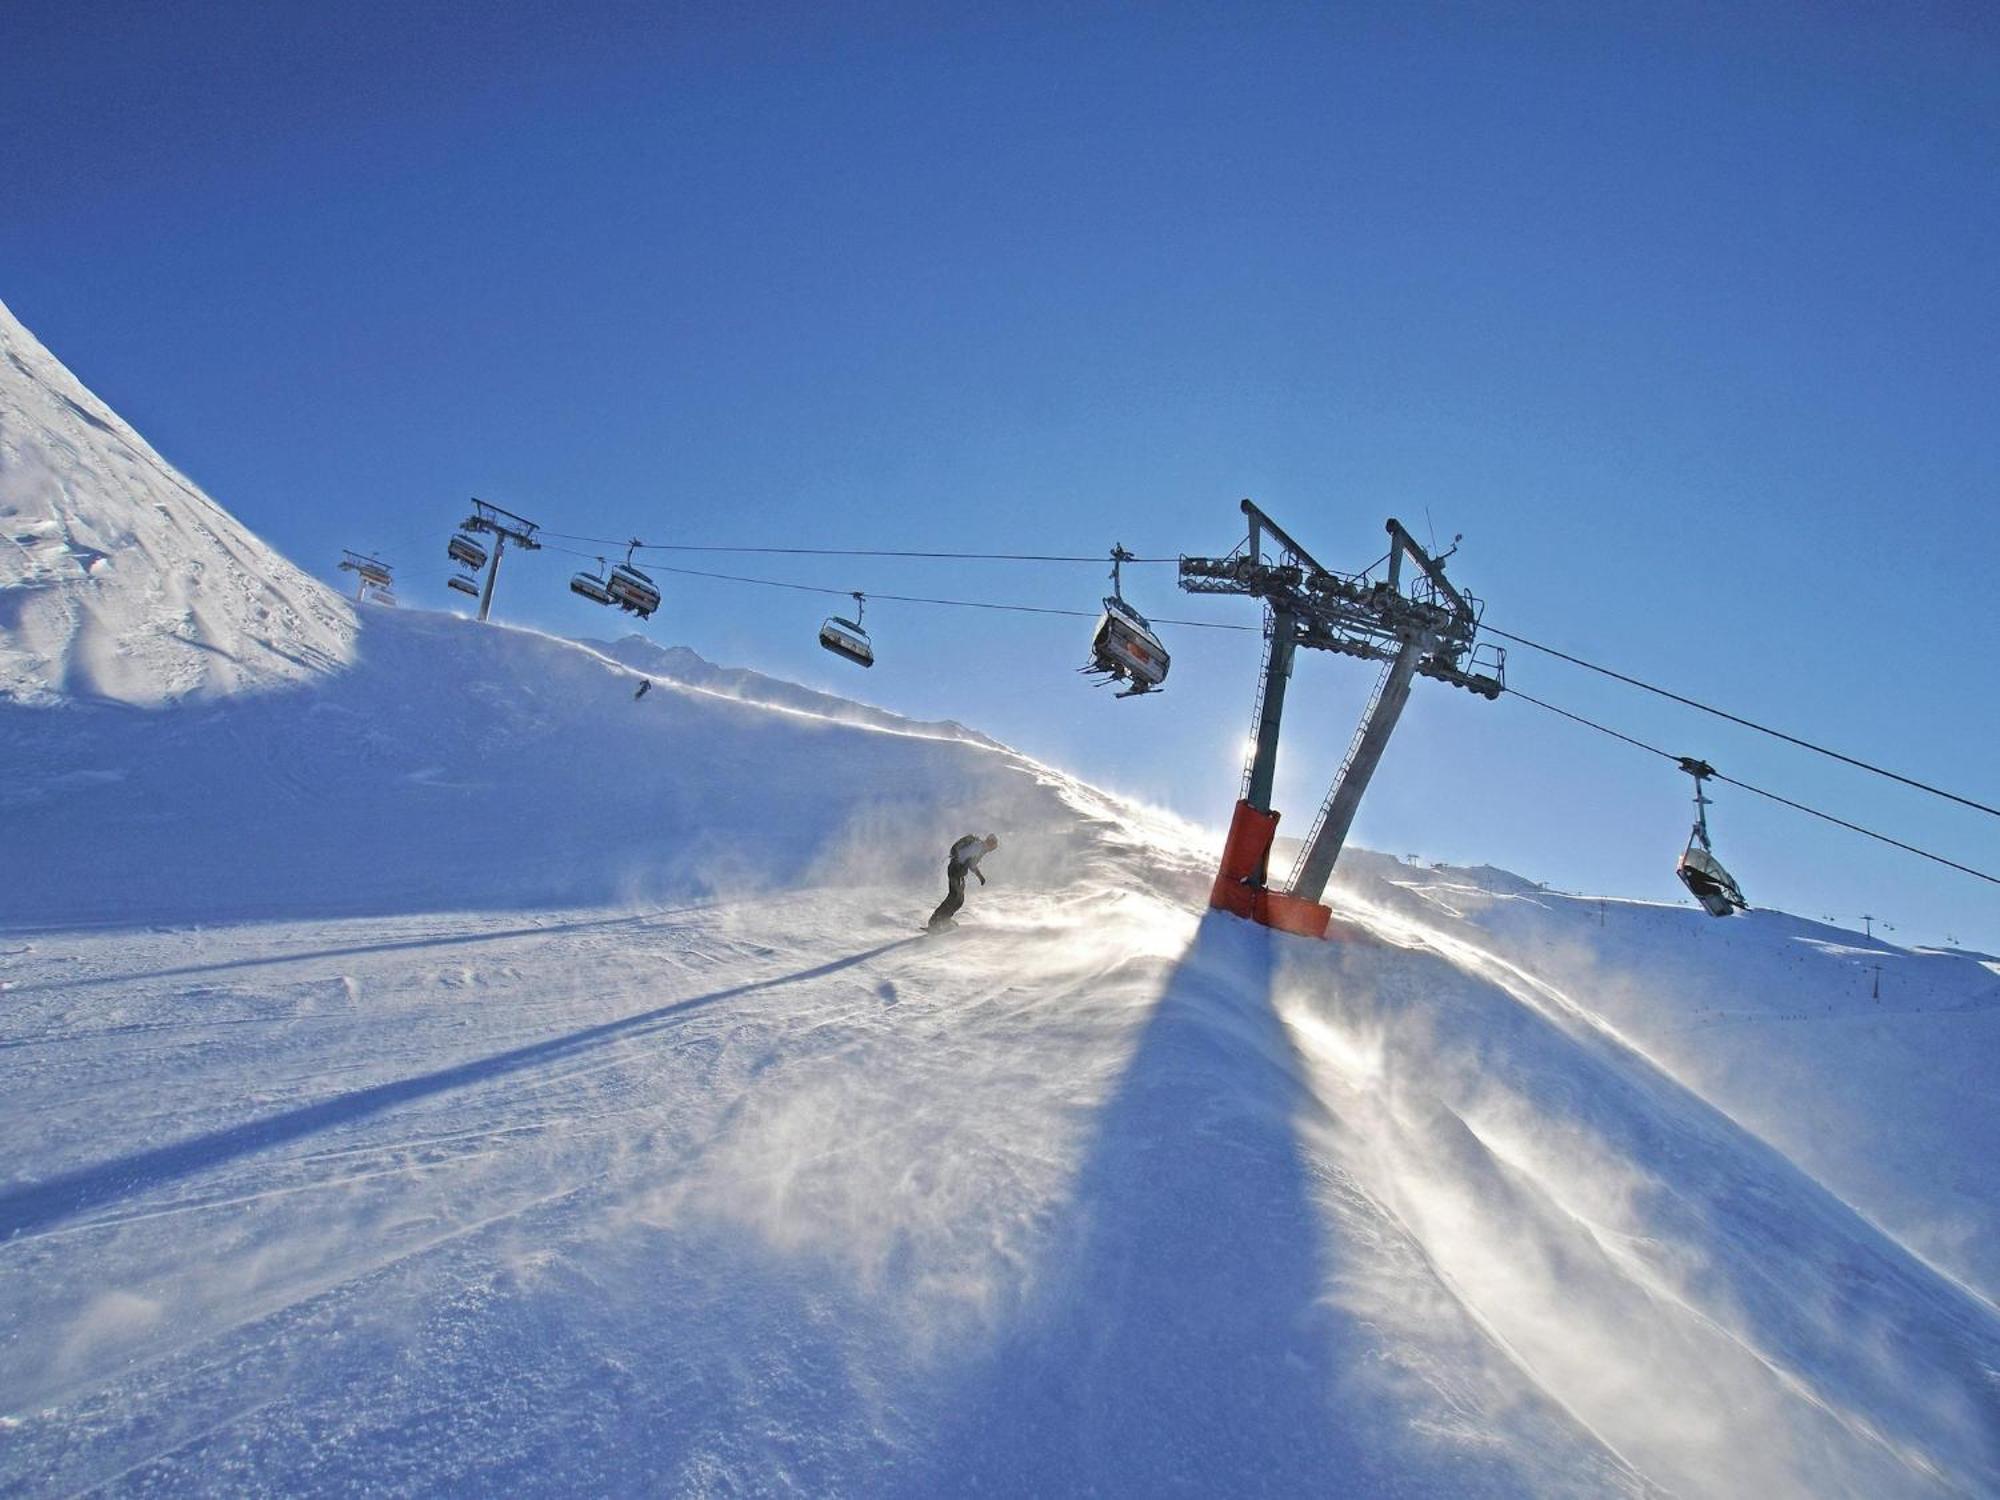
x=690 y=669
x=120 y=580
x=585 y=1113
x=453 y=767
x=1872 y=1066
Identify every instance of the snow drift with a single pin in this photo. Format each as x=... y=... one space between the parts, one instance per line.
x=119 y=580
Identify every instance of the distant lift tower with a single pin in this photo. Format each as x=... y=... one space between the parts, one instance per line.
x=505 y=527
x=1416 y=626
x=373 y=578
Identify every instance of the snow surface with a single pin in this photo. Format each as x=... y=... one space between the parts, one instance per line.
x=451 y=1074
x=690 y=669
x=119 y=580
x=529 y=1089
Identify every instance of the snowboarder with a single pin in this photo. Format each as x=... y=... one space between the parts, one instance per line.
x=644 y=688
x=965 y=855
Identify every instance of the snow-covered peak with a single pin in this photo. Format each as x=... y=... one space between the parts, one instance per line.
x=119 y=579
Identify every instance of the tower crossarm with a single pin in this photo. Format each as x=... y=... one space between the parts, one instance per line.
x=1354 y=615
x=492 y=518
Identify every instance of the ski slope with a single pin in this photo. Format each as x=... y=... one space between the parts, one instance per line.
x=387 y=1140
x=440 y=1071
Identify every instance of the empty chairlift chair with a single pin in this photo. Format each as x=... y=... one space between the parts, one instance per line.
x=591 y=586
x=1699 y=870
x=462 y=584
x=1124 y=648
x=467 y=553
x=630 y=589
x=844 y=637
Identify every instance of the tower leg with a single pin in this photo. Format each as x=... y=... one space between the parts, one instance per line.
x=1270 y=711
x=1317 y=859
x=492 y=574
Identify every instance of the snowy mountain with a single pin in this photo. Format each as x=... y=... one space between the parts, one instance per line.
x=457 y=1074
x=119 y=580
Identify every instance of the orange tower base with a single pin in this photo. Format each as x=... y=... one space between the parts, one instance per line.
x=1239 y=885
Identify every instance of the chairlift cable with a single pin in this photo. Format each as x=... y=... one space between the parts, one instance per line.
x=1024 y=609
x=1035 y=609
x=1506 y=635
x=1790 y=739
x=1034 y=557
x=1515 y=692
x=814 y=588
x=1519 y=640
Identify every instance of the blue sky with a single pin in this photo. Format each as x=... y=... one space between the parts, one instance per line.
x=1685 y=317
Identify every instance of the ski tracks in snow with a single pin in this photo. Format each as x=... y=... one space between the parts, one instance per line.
x=777 y=1195
x=280 y=1164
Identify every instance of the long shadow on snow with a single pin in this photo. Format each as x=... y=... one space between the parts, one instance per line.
x=1181 y=1341
x=302 y=955
x=41 y=1204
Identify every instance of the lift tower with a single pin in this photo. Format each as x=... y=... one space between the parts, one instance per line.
x=373 y=578
x=505 y=527
x=1417 y=626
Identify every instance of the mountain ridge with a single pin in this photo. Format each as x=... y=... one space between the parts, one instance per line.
x=121 y=581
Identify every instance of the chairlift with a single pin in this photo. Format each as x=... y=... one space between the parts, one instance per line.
x=846 y=638
x=1124 y=648
x=1699 y=870
x=629 y=588
x=592 y=586
x=464 y=551
x=374 y=574
x=462 y=584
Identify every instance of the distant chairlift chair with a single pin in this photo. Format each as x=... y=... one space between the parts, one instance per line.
x=1125 y=649
x=1699 y=870
x=463 y=584
x=846 y=638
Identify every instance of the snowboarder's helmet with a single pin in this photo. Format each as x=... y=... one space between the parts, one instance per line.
x=992 y=841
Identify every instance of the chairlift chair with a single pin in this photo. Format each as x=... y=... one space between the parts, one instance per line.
x=1124 y=648
x=844 y=637
x=374 y=575
x=1698 y=868
x=462 y=584
x=591 y=586
x=466 y=552
x=631 y=589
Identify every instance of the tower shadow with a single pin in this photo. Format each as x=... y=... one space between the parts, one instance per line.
x=1180 y=1339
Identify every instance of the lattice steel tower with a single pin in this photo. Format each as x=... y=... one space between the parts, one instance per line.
x=1419 y=626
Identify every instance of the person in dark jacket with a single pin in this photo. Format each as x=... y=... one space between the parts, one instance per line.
x=965 y=855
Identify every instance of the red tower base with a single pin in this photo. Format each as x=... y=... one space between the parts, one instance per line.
x=1239 y=884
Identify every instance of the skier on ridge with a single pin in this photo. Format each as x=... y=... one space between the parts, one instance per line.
x=965 y=855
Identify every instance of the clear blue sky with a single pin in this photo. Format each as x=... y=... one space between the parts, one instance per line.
x=1684 y=315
